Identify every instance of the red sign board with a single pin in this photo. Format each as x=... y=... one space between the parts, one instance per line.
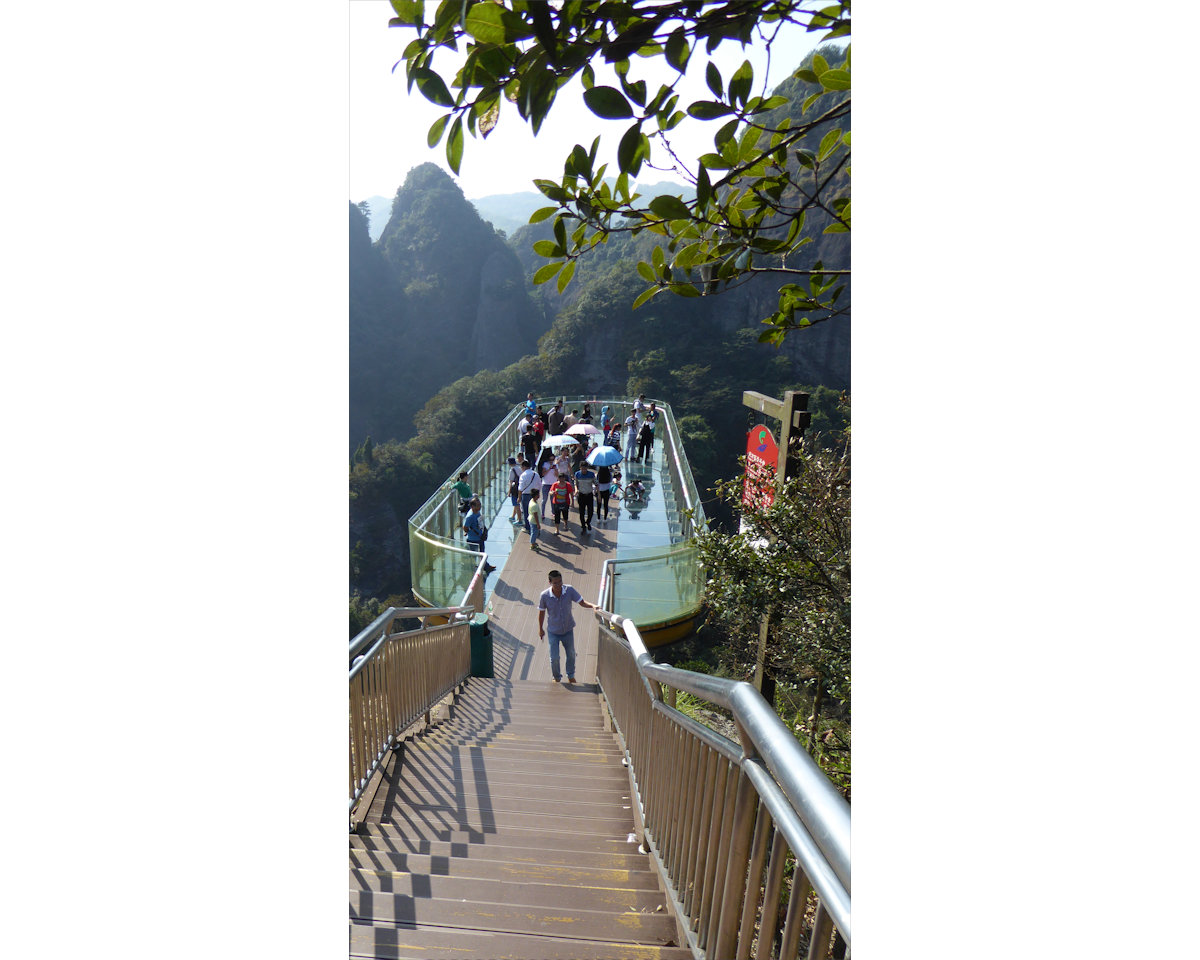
x=762 y=454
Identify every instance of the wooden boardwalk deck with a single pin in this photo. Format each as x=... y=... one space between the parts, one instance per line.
x=505 y=829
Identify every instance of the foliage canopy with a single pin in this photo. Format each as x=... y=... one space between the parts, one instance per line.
x=770 y=166
x=793 y=561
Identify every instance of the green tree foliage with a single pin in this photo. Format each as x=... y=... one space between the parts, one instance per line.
x=363 y=610
x=776 y=158
x=384 y=493
x=792 y=561
x=365 y=453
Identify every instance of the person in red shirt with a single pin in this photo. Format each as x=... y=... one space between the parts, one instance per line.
x=561 y=494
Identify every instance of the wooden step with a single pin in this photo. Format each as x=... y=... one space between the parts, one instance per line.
x=494 y=807
x=577 y=922
x=547 y=720
x=484 y=722
x=530 y=838
x=520 y=749
x=611 y=823
x=582 y=754
x=450 y=763
x=445 y=770
x=620 y=859
x=499 y=685
x=446 y=762
x=569 y=697
x=573 y=709
x=503 y=870
x=394 y=942
x=569 y=707
x=440 y=887
x=514 y=733
x=510 y=783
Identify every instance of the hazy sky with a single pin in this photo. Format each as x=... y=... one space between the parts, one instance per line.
x=388 y=127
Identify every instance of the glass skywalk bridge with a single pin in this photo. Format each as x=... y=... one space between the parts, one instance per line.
x=653 y=578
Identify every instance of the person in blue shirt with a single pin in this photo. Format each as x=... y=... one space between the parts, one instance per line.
x=476 y=532
x=556 y=623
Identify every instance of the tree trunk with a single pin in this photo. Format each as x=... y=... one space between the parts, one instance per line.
x=764 y=677
x=815 y=717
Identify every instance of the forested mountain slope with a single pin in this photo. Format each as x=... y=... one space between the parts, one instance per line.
x=423 y=292
x=439 y=296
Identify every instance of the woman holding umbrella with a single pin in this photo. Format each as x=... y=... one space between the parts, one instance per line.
x=603 y=457
x=582 y=432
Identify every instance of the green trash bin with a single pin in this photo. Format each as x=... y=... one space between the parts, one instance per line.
x=482 y=664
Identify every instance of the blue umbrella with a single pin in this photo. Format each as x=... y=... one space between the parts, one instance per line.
x=603 y=456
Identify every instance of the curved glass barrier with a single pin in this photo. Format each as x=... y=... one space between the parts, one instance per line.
x=657 y=580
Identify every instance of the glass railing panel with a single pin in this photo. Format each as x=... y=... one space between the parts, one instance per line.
x=658 y=586
x=441 y=574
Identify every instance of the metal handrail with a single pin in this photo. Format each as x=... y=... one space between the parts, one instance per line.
x=697 y=791
x=398 y=679
x=380 y=627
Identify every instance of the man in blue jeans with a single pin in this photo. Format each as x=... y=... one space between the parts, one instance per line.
x=554 y=612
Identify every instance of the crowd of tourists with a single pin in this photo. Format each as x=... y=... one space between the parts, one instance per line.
x=546 y=479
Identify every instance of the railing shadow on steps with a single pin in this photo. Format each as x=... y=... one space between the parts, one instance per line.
x=736 y=829
x=396 y=678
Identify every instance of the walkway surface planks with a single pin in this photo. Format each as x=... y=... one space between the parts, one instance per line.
x=505 y=829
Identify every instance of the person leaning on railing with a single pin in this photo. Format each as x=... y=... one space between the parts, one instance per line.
x=556 y=623
x=463 y=489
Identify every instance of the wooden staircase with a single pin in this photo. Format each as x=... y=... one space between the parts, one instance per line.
x=506 y=831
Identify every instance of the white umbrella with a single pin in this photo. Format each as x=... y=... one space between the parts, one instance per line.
x=582 y=429
x=558 y=441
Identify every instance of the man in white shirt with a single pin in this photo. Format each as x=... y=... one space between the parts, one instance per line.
x=631 y=433
x=525 y=486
